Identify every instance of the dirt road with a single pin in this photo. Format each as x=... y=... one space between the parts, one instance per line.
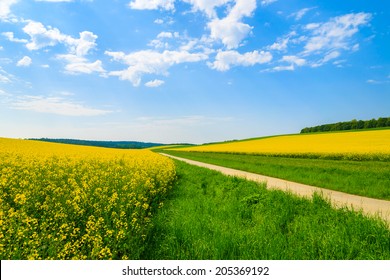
x=369 y=206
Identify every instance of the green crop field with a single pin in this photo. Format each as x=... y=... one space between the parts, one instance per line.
x=366 y=178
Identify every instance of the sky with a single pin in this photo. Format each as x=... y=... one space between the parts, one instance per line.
x=190 y=71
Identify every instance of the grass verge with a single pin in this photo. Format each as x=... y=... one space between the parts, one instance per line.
x=211 y=216
x=365 y=178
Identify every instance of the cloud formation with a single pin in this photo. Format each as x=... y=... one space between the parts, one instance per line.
x=55 y=105
x=46 y=36
x=42 y=36
x=207 y=6
x=226 y=59
x=150 y=62
x=230 y=30
x=222 y=44
x=10 y=37
x=154 y=83
x=294 y=60
x=267 y=2
x=54 y=1
x=317 y=43
x=301 y=13
x=335 y=33
x=80 y=65
x=24 y=62
x=5 y=77
x=152 y=4
x=5 y=8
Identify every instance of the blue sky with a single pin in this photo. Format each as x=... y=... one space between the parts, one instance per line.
x=190 y=70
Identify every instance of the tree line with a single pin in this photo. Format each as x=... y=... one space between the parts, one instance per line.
x=351 y=125
x=105 y=144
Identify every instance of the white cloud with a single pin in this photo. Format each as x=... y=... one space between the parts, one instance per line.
x=281 y=45
x=54 y=0
x=55 y=105
x=11 y=38
x=294 y=60
x=77 y=65
x=226 y=59
x=335 y=33
x=42 y=36
x=83 y=45
x=204 y=44
x=242 y=8
x=150 y=62
x=329 y=56
x=377 y=82
x=283 y=68
x=267 y=2
x=85 y=67
x=231 y=30
x=24 y=62
x=165 y=35
x=5 y=8
x=355 y=47
x=206 y=6
x=154 y=83
x=152 y=4
x=5 y=77
x=300 y=14
x=320 y=42
x=311 y=26
x=3 y=93
x=166 y=21
x=159 y=42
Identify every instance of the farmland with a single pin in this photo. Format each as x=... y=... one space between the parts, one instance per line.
x=353 y=145
x=352 y=162
x=76 y=202
x=71 y=202
x=365 y=178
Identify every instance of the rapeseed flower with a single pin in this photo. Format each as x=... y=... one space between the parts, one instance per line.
x=75 y=202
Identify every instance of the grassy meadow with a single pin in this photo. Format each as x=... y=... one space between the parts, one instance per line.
x=211 y=216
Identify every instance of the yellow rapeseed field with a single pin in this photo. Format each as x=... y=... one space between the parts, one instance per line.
x=75 y=202
x=374 y=144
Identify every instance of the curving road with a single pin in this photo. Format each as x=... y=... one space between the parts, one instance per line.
x=370 y=206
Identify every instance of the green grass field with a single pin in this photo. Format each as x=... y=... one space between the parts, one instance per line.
x=365 y=178
x=211 y=216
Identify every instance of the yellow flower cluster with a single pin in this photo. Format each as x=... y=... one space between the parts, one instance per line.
x=374 y=144
x=73 y=202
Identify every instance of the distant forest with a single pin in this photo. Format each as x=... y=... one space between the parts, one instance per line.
x=106 y=144
x=351 y=125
